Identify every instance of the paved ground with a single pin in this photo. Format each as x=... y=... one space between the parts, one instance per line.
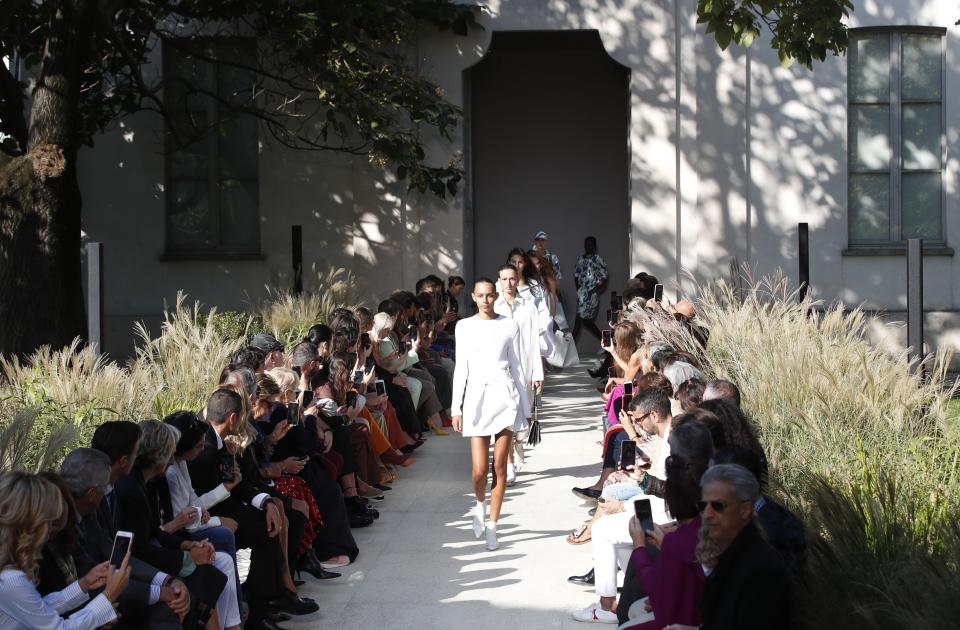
x=420 y=566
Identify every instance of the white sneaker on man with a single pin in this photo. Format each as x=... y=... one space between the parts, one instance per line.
x=479 y=516
x=595 y=614
x=511 y=474
x=492 y=543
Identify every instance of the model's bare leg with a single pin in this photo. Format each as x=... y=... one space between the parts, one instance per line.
x=480 y=451
x=501 y=449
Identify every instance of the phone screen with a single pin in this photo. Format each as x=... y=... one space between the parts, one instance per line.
x=628 y=454
x=226 y=467
x=351 y=399
x=365 y=340
x=369 y=363
x=381 y=388
x=307 y=398
x=607 y=338
x=628 y=388
x=293 y=414
x=357 y=378
x=610 y=315
x=644 y=514
x=121 y=544
x=658 y=293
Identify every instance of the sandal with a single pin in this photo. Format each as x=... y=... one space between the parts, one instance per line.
x=581 y=534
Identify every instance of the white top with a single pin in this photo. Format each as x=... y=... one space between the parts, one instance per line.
x=182 y=494
x=659 y=451
x=488 y=386
x=21 y=606
x=535 y=294
x=525 y=314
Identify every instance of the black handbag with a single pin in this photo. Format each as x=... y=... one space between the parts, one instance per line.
x=533 y=438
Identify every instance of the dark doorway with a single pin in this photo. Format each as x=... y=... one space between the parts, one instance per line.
x=548 y=115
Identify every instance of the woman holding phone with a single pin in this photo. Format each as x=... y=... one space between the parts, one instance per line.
x=31 y=508
x=489 y=399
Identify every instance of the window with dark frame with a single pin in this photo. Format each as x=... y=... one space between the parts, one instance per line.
x=895 y=136
x=212 y=187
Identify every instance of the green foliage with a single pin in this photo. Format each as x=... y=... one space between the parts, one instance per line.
x=803 y=30
x=233 y=324
x=326 y=75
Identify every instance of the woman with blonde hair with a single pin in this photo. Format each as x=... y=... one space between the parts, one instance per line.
x=31 y=508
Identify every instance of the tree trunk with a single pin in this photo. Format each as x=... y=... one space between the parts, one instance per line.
x=41 y=296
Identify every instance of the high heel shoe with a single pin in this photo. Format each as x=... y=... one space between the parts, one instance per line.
x=436 y=430
x=309 y=563
x=392 y=456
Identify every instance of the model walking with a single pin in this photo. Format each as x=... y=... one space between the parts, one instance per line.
x=489 y=399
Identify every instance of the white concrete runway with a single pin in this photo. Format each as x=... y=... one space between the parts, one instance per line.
x=420 y=566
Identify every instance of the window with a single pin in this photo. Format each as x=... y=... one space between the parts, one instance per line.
x=212 y=192
x=895 y=135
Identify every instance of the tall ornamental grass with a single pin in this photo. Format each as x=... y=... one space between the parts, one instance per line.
x=865 y=452
x=54 y=399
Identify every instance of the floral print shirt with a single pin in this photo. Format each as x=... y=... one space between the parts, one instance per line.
x=589 y=273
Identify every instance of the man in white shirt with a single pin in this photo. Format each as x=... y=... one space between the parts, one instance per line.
x=513 y=306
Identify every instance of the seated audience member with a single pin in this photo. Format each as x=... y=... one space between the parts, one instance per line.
x=747 y=585
x=673 y=580
x=782 y=529
x=259 y=519
x=250 y=357
x=208 y=575
x=690 y=394
x=153 y=599
x=31 y=508
x=319 y=335
x=720 y=389
x=611 y=543
x=737 y=429
x=272 y=349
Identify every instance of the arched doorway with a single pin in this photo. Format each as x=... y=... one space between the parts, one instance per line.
x=548 y=149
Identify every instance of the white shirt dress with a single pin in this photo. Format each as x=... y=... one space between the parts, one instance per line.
x=488 y=385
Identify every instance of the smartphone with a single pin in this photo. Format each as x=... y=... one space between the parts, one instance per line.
x=613 y=299
x=606 y=338
x=626 y=400
x=628 y=454
x=658 y=293
x=121 y=544
x=368 y=364
x=611 y=315
x=293 y=413
x=226 y=467
x=307 y=398
x=357 y=378
x=612 y=372
x=351 y=399
x=381 y=387
x=618 y=305
x=297 y=369
x=365 y=340
x=628 y=388
x=644 y=514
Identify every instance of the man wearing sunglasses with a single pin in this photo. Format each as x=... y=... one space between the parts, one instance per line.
x=749 y=586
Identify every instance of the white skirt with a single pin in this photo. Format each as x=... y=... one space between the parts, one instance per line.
x=491 y=407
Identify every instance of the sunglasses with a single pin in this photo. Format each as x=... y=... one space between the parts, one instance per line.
x=716 y=506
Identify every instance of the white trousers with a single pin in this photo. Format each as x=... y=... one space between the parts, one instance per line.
x=228 y=606
x=612 y=547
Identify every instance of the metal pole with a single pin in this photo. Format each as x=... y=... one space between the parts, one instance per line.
x=915 y=302
x=95 y=296
x=803 y=238
x=297 y=236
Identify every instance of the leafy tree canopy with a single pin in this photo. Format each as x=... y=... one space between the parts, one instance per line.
x=803 y=30
x=326 y=75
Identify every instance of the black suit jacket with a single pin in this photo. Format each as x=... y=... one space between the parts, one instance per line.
x=205 y=475
x=749 y=589
x=138 y=513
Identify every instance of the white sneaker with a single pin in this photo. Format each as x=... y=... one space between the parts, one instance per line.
x=479 y=515
x=511 y=474
x=492 y=543
x=595 y=614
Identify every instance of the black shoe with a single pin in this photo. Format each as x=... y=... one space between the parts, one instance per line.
x=359 y=507
x=586 y=578
x=381 y=487
x=357 y=522
x=279 y=617
x=291 y=604
x=265 y=624
x=309 y=563
x=588 y=494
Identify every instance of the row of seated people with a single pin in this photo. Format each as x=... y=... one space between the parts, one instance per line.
x=679 y=509
x=285 y=459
